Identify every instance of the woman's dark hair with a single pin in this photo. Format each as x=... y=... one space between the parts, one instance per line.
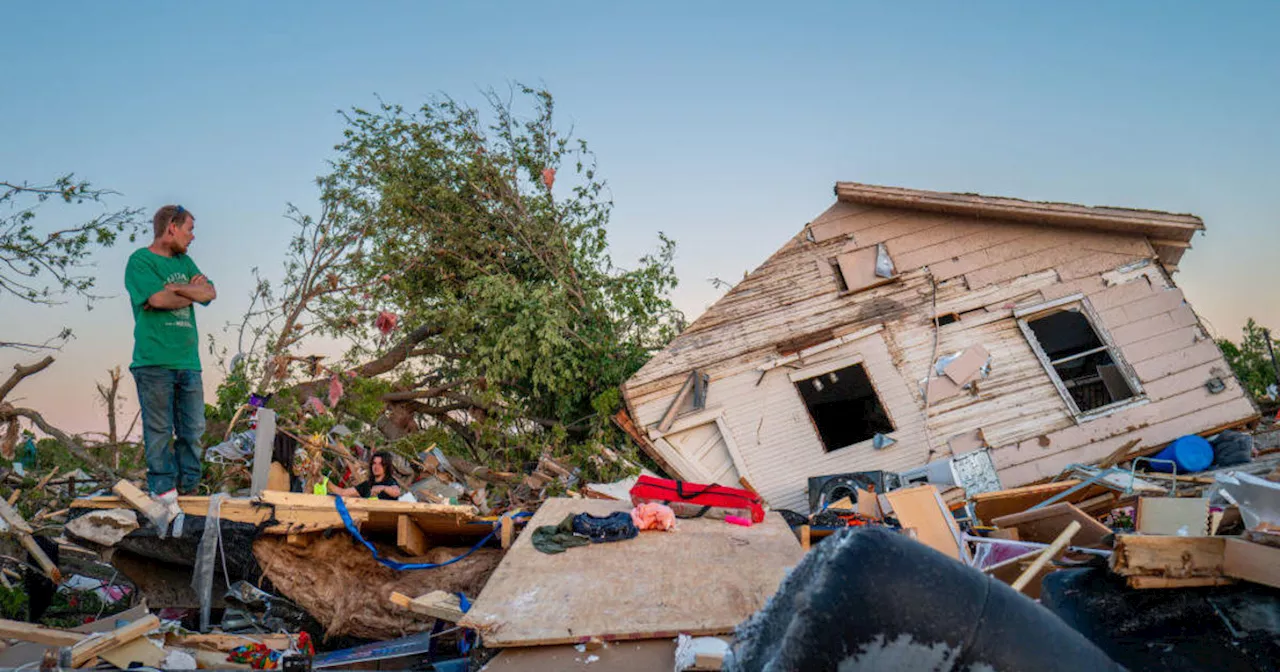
x=386 y=464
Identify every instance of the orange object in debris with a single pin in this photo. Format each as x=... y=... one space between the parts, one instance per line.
x=653 y=516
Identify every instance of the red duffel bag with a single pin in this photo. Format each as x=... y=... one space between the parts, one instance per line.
x=691 y=500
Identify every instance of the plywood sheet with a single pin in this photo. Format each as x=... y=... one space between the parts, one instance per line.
x=702 y=579
x=635 y=656
x=922 y=509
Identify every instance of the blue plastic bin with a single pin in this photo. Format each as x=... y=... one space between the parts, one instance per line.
x=1191 y=452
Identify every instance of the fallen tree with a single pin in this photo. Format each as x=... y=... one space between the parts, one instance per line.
x=463 y=264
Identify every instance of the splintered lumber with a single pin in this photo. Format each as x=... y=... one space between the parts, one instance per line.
x=1045 y=524
x=91 y=647
x=988 y=506
x=29 y=632
x=136 y=498
x=297 y=513
x=409 y=537
x=436 y=604
x=219 y=641
x=1252 y=562
x=1119 y=455
x=1046 y=555
x=922 y=508
x=704 y=579
x=13 y=522
x=1168 y=557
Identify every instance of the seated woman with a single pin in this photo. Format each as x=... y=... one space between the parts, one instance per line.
x=380 y=484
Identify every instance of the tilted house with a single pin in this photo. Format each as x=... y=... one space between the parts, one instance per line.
x=1046 y=334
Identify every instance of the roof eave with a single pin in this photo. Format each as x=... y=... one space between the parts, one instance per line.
x=1154 y=224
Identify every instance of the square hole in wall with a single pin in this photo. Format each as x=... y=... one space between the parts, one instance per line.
x=844 y=407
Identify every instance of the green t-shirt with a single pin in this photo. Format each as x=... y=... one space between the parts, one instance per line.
x=164 y=338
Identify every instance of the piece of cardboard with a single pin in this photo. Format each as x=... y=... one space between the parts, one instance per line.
x=968 y=365
x=868 y=504
x=1185 y=516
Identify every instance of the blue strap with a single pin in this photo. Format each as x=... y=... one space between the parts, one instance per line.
x=401 y=566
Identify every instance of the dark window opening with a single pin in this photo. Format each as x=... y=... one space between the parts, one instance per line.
x=949 y=318
x=1085 y=365
x=844 y=407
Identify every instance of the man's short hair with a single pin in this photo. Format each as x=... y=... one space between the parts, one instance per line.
x=169 y=214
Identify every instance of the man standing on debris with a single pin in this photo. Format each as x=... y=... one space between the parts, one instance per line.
x=163 y=283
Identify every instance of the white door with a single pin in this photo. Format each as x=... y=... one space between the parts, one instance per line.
x=705 y=446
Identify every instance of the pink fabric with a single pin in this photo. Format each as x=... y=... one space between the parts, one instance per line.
x=386 y=322
x=653 y=516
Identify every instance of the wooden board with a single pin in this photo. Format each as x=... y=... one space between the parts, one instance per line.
x=296 y=513
x=704 y=578
x=1168 y=557
x=922 y=509
x=1045 y=524
x=1252 y=562
x=632 y=656
x=29 y=632
x=1145 y=582
x=1169 y=515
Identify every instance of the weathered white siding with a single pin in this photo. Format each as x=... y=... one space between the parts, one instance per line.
x=979 y=269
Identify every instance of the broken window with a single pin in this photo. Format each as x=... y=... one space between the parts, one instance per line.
x=866 y=268
x=844 y=407
x=1085 y=366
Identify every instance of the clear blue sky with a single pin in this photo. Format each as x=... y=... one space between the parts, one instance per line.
x=724 y=125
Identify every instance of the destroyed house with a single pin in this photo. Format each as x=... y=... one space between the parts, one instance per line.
x=979 y=341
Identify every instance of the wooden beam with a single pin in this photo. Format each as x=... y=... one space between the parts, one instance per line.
x=29 y=632
x=1119 y=454
x=507 y=529
x=91 y=647
x=139 y=500
x=409 y=537
x=13 y=522
x=1046 y=555
x=436 y=604
x=804 y=537
x=226 y=642
x=1167 y=556
x=674 y=409
x=1145 y=582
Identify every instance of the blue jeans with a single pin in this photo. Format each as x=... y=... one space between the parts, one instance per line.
x=172 y=404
